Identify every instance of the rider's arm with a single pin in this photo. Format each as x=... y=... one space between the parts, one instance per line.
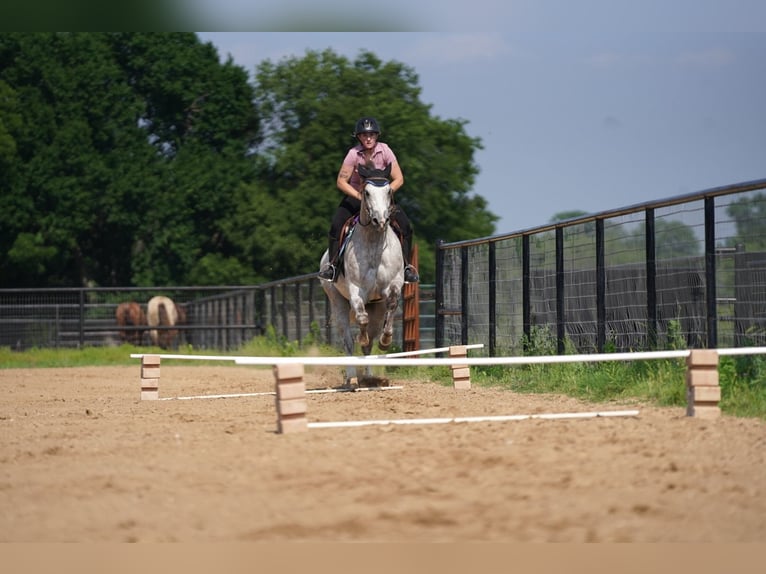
x=397 y=177
x=343 y=183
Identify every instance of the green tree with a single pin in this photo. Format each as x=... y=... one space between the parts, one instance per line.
x=123 y=152
x=141 y=159
x=672 y=239
x=564 y=215
x=309 y=106
x=749 y=215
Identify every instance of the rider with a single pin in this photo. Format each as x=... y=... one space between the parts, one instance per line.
x=376 y=154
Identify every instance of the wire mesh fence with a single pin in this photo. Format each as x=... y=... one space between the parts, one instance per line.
x=211 y=317
x=687 y=271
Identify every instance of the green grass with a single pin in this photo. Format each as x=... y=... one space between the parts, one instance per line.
x=120 y=355
x=659 y=382
x=88 y=356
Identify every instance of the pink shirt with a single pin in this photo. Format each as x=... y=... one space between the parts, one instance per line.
x=382 y=155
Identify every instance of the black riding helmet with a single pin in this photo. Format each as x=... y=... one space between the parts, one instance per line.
x=366 y=125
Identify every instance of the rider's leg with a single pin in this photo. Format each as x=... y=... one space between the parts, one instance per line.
x=403 y=222
x=344 y=211
x=329 y=270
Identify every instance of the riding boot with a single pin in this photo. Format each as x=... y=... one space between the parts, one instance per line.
x=329 y=271
x=410 y=273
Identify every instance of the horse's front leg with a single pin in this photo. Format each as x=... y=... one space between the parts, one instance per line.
x=387 y=336
x=356 y=301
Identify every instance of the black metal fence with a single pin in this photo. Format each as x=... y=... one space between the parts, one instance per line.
x=689 y=270
x=218 y=317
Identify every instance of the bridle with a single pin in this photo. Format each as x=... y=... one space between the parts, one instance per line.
x=377 y=182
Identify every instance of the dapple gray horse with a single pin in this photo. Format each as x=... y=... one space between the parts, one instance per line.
x=369 y=283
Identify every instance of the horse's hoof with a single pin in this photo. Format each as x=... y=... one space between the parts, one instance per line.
x=385 y=342
x=351 y=384
x=374 y=382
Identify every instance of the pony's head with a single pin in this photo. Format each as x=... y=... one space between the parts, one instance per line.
x=377 y=197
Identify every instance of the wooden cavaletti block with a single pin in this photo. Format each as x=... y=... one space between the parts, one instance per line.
x=150 y=377
x=703 y=393
x=461 y=374
x=290 y=399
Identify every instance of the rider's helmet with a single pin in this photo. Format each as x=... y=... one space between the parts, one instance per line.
x=366 y=125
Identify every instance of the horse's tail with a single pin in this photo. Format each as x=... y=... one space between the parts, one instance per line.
x=161 y=311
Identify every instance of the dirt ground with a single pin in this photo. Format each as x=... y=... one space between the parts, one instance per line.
x=83 y=459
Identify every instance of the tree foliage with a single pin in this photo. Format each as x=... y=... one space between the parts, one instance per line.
x=141 y=159
x=624 y=244
x=309 y=106
x=749 y=215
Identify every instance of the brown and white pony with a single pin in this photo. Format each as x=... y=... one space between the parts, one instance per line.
x=161 y=311
x=130 y=314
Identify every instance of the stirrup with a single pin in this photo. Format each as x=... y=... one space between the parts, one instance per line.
x=411 y=274
x=328 y=273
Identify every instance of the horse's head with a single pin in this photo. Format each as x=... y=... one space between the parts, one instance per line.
x=377 y=197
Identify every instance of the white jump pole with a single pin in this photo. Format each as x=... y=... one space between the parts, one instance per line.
x=496 y=418
x=475 y=361
x=421 y=352
x=372 y=357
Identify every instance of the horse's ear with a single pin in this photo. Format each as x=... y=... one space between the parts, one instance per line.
x=364 y=171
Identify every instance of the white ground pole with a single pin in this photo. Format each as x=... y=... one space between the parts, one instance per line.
x=472 y=361
x=272 y=393
x=493 y=418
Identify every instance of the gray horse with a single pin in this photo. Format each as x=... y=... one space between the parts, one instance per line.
x=369 y=284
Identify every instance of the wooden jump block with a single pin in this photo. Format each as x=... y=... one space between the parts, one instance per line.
x=288 y=391
x=289 y=407
x=702 y=377
x=702 y=358
x=288 y=372
x=458 y=351
x=703 y=392
x=461 y=378
x=150 y=377
x=461 y=374
x=290 y=398
x=705 y=412
x=150 y=389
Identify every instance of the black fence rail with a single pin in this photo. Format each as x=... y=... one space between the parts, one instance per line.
x=216 y=317
x=689 y=270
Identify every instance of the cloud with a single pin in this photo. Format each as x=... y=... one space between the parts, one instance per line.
x=606 y=60
x=460 y=48
x=612 y=123
x=713 y=58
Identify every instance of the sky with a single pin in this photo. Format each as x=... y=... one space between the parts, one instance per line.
x=590 y=106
